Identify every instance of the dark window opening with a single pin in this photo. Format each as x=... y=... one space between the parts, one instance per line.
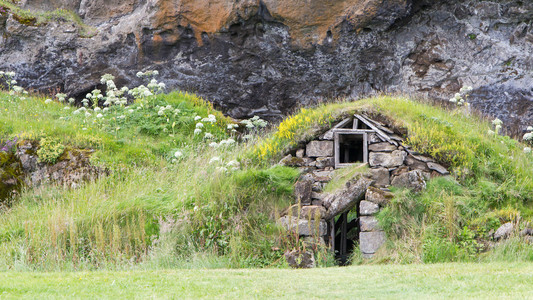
x=351 y=148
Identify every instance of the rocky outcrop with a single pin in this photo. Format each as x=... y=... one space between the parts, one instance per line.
x=265 y=57
x=22 y=167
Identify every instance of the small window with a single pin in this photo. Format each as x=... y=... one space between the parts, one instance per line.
x=350 y=148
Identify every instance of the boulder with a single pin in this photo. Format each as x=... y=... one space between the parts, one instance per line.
x=318 y=186
x=303 y=227
x=423 y=158
x=400 y=170
x=319 y=148
x=504 y=231
x=313 y=242
x=416 y=164
x=306 y=212
x=526 y=232
x=300 y=259
x=378 y=196
x=374 y=138
x=370 y=242
x=291 y=161
x=413 y=180
x=367 y=208
x=380 y=176
x=300 y=153
x=317 y=196
x=387 y=160
x=324 y=162
x=368 y=223
x=346 y=198
x=322 y=176
x=382 y=147
x=438 y=168
x=302 y=190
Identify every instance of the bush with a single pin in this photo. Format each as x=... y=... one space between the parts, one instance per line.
x=50 y=149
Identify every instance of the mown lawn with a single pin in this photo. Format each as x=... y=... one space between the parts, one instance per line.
x=437 y=281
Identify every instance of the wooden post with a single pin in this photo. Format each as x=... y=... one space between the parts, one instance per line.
x=343 y=250
x=365 y=147
x=337 y=151
x=332 y=234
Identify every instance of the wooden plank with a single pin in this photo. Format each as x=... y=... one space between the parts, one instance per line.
x=380 y=126
x=337 y=149
x=344 y=238
x=355 y=123
x=377 y=130
x=365 y=147
x=354 y=131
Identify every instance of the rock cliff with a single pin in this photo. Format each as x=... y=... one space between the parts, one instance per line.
x=266 y=57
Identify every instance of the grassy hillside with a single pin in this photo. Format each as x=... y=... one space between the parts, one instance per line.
x=181 y=194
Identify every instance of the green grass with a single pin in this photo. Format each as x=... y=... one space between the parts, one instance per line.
x=150 y=210
x=436 y=281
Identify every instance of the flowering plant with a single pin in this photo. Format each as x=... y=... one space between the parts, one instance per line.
x=460 y=99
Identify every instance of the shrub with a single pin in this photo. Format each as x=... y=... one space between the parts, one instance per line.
x=50 y=149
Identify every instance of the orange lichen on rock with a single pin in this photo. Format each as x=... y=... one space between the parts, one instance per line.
x=209 y=16
x=308 y=20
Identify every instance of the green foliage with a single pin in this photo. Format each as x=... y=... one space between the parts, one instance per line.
x=171 y=199
x=50 y=149
x=35 y=18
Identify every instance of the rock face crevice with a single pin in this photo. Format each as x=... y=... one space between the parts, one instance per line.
x=267 y=57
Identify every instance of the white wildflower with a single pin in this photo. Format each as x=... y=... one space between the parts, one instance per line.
x=199 y=125
x=214 y=159
x=197 y=118
x=527 y=150
x=147 y=93
x=197 y=131
x=48 y=101
x=233 y=164
x=178 y=154
x=99 y=116
x=208 y=135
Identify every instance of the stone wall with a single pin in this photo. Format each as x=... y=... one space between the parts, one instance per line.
x=389 y=165
x=24 y=168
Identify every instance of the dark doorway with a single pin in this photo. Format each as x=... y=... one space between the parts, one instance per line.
x=351 y=148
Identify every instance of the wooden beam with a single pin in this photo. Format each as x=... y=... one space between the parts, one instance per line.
x=377 y=130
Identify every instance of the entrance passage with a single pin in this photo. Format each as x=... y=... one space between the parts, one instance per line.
x=346 y=232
